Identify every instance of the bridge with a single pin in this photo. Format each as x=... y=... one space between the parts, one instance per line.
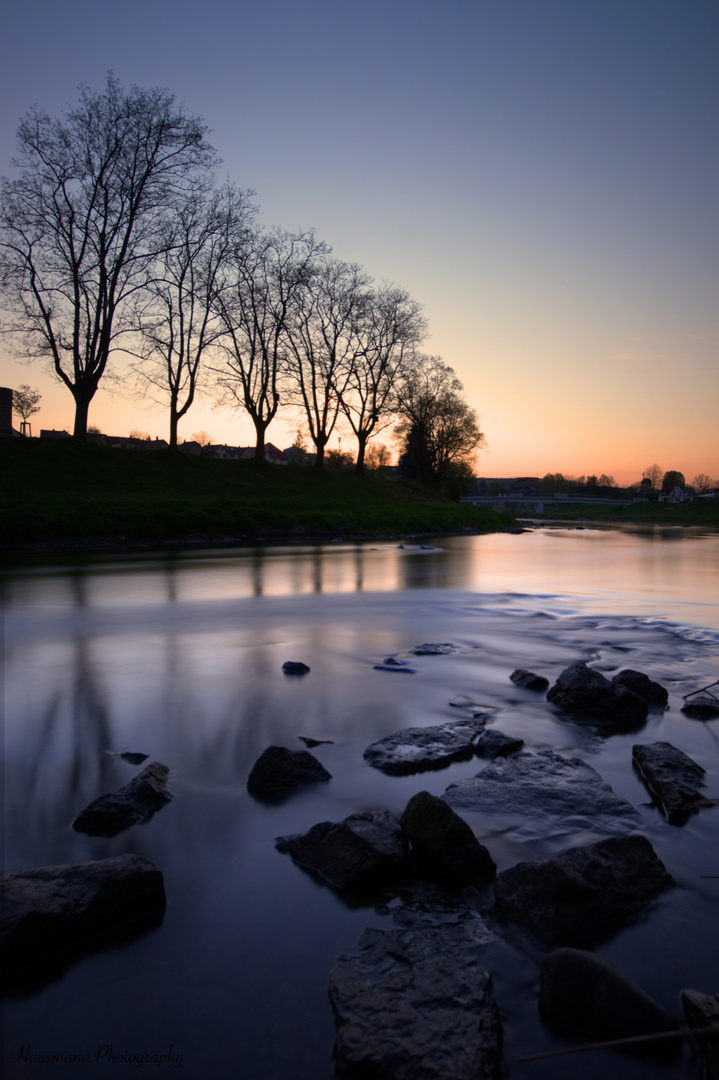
x=539 y=502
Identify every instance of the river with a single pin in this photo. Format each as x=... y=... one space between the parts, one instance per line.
x=178 y=655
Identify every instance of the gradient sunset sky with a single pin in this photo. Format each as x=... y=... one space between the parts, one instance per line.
x=542 y=175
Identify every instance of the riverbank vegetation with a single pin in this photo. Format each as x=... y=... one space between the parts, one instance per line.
x=697 y=512
x=64 y=492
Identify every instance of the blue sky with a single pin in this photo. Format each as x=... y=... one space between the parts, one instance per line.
x=542 y=176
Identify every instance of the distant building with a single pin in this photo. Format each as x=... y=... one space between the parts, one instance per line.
x=50 y=433
x=129 y=442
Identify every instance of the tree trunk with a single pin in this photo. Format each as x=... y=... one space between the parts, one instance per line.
x=81 y=410
x=173 y=429
x=260 y=429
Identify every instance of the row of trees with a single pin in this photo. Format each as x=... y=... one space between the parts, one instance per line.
x=116 y=240
x=654 y=479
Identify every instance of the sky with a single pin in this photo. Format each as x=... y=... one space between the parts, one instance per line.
x=541 y=175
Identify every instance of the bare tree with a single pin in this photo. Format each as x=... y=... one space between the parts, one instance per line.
x=263 y=283
x=654 y=474
x=324 y=344
x=703 y=483
x=439 y=432
x=26 y=402
x=177 y=318
x=81 y=224
x=388 y=330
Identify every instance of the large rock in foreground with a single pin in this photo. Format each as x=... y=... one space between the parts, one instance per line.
x=363 y=852
x=671 y=778
x=589 y=696
x=585 y=994
x=417 y=1002
x=418 y=749
x=702 y=1011
x=133 y=804
x=444 y=844
x=585 y=893
x=546 y=788
x=53 y=914
x=655 y=695
x=279 y=771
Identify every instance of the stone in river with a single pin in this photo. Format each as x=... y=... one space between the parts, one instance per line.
x=363 y=852
x=279 y=771
x=444 y=843
x=494 y=743
x=671 y=778
x=583 y=894
x=417 y=1002
x=548 y=788
x=420 y=748
x=586 y=995
x=429 y=649
x=653 y=693
x=133 y=804
x=702 y=704
x=295 y=667
x=52 y=915
x=392 y=664
x=701 y=1011
x=528 y=680
x=589 y=696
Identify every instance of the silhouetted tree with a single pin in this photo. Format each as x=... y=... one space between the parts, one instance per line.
x=672 y=479
x=264 y=287
x=177 y=317
x=653 y=473
x=83 y=223
x=26 y=401
x=438 y=430
x=702 y=483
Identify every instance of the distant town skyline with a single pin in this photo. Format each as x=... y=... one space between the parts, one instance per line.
x=542 y=178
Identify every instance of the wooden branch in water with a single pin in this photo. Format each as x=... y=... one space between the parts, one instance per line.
x=680 y=1033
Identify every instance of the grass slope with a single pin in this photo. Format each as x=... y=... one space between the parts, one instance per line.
x=58 y=492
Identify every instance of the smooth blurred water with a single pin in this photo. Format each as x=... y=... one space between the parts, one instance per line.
x=179 y=655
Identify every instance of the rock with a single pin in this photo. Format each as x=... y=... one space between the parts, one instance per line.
x=363 y=852
x=133 y=804
x=428 y=649
x=700 y=1011
x=311 y=743
x=583 y=894
x=528 y=680
x=392 y=664
x=671 y=778
x=417 y=1002
x=583 y=993
x=494 y=743
x=653 y=693
x=52 y=915
x=295 y=667
x=590 y=696
x=444 y=844
x=701 y=705
x=279 y=771
x=133 y=758
x=417 y=749
x=546 y=788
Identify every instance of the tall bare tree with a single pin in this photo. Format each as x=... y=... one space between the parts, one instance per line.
x=82 y=223
x=263 y=287
x=325 y=342
x=389 y=328
x=177 y=319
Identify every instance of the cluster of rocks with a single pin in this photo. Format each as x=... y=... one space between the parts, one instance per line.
x=53 y=915
x=416 y=999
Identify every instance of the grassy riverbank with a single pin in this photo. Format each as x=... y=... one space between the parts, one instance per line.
x=699 y=512
x=60 y=493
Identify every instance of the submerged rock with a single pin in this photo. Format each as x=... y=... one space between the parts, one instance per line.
x=133 y=804
x=133 y=758
x=429 y=649
x=546 y=787
x=417 y=1002
x=365 y=851
x=700 y=1011
x=702 y=705
x=295 y=667
x=311 y=743
x=392 y=664
x=52 y=915
x=671 y=778
x=653 y=693
x=279 y=771
x=583 y=894
x=444 y=843
x=417 y=749
x=585 y=994
x=588 y=695
x=528 y=680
